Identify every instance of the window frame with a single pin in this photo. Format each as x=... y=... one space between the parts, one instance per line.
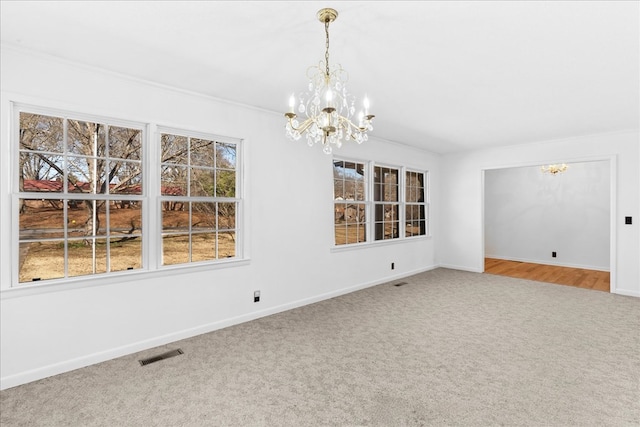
x=150 y=230
x=238 y=199
x=380 y=205
x=370 y=204
x=356 y=201
x=424 y=203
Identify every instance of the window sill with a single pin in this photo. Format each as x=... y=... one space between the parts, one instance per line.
x=29 y=289
x=378 y=243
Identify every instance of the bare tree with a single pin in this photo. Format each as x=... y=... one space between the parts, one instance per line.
x=94 y=159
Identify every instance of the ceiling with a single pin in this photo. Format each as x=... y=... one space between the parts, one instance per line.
x=446 y=76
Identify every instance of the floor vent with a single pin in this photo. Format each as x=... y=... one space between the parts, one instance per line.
x=400 y=284
x=159 y=357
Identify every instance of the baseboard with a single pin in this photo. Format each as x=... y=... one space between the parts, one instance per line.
x=462 y=268
x=547 y=262
x=626 y=293
x=92 y=359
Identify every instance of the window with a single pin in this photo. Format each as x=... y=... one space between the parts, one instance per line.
x=349 y=186
x=377 y=203
x=80 y=186
x=415 y=207
x=90 y=202
x=198 y=199
x=385 y=195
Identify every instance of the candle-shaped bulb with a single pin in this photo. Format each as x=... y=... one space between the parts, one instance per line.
x=366 y=105
x=329 y=97
x=292 y=103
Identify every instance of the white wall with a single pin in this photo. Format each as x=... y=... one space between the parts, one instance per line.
x=461 y=240
x=529 y=214
x=288 y=221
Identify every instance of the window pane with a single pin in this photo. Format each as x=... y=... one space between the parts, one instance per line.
x=86 y=138
x=359 y=189
x=354 y=214
x=385 y=184
x=338 y=210
x=175 y=249
x=41 y=133
x=202 y=152
x=80 y=218
x=203 y=247
x=226 y=183
x=125 y=143
x=203 y=216
x=90 y=217
x=87 y=256
x=41 y=261
x=40 y=219
x=340 y=234
x=415 y=228
x=349 y=223
x=391 y=212
x=174 y=181
x=227 y=244
x=226 y=216
x=346 y=234
x=174 y=149
x=125 y=219
x=355 y=233
x=226 y=156
x=126 y=177
x=125 y=253
x=354 y=189
x=201 y=184
x=415 y=187
x=86 y=175
x=41 y=172
x=338 y=189
x=175 y=217
x=349 y=181
x=391 y=186
x=415 y=224
x=384 y=212
x=174 y=205
x=386 y=221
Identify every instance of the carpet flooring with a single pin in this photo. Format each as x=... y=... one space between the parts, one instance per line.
x=447 y=348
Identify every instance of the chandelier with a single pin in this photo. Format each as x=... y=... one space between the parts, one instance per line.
x=554 y=169
x=327 y=108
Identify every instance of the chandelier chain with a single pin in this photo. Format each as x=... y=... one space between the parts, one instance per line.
x=326 y=54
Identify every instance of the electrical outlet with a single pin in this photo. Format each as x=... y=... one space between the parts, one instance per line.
x=553 y=254
x=393 y=265
x=628 y=220
x=256 y=296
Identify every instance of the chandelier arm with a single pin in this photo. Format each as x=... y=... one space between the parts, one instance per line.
x=303 y=127
x=350 y=124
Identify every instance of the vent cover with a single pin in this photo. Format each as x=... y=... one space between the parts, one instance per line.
x=400 y=284
x=159 y=357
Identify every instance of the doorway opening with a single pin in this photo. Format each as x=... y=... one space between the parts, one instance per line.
x=550 y=227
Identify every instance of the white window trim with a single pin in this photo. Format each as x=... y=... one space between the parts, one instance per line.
x=151 y=226
x=426 y=203
x=370 y=204
x=239 y=199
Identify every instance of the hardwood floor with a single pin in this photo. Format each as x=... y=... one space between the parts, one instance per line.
x=578 y=277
